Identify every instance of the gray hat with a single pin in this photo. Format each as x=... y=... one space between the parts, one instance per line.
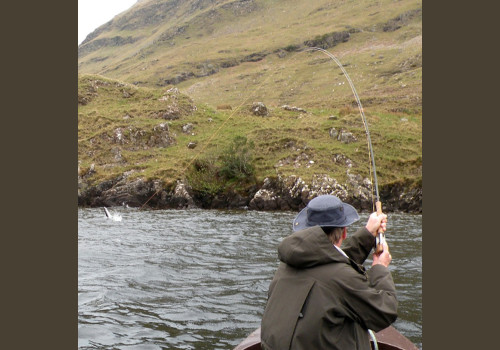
x=325 y=210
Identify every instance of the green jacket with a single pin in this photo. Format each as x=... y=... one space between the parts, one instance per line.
x=319 y=299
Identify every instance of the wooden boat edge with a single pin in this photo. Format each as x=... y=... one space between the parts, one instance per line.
x=387 y=339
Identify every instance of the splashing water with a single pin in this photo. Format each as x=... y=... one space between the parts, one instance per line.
x=114 y=217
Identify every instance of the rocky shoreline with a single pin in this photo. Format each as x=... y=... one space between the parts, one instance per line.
x=277 y=193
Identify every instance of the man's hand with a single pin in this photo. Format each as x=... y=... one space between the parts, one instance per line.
x=383 y=258
x=376 y=223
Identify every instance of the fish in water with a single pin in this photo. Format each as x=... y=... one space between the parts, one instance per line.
x=116 y=217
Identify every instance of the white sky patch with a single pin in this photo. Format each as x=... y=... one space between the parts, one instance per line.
x=94 y=13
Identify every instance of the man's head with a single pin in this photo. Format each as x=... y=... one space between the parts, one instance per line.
x=325 y=211
x=335 y=234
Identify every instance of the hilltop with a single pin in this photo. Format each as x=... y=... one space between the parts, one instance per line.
x=166 y=91
x=219 y=51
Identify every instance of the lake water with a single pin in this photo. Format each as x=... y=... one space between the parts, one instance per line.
x=198 y=279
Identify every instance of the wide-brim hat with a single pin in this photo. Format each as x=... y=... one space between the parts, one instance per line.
x=325 y=210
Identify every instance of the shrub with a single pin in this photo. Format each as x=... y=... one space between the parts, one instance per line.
x=211 y=176
x=236 y=160
x=203 y=177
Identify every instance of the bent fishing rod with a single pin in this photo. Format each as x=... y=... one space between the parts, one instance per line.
x=380 y=239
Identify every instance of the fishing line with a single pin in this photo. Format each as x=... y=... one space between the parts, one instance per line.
x=380 y=237
x=233 y=112
x=373 y=169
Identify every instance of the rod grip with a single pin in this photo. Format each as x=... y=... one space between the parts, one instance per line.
x=380 y=238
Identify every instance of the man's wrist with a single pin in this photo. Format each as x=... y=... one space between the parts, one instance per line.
x=373 y=231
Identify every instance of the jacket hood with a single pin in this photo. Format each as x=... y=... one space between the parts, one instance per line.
x=307 y=248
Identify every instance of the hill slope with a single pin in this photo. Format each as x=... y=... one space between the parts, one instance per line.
x=128 y=133
x=219 y=51
x=166 y=89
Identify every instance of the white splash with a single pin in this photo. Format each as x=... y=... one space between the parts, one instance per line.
x=114 y=217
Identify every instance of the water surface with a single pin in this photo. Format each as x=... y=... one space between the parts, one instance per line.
x=198 y=279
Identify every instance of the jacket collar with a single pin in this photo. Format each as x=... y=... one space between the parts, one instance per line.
x=307 y=248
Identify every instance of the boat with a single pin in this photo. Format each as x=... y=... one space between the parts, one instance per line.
x=387 y=339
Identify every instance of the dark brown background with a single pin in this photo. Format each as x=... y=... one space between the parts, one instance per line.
x=39 y=246
x=461 y=140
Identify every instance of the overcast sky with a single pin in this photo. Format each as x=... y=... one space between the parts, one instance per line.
x=94 y=13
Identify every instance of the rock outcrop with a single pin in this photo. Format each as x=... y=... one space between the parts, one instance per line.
x=276 y=193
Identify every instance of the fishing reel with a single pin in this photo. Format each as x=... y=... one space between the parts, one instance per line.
x=379 y=243
x=380 y=238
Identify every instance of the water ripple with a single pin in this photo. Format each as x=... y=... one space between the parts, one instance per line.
x=196 y=279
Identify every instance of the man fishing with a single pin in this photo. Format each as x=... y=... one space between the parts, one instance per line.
x=321 y=296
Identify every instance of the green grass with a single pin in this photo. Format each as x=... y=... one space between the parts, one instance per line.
x=380 y=62
x=121 y=87
x=280 y=138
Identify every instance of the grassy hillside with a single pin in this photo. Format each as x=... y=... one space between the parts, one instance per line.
x=122 y=129
x=218 y=52
x=168 y=73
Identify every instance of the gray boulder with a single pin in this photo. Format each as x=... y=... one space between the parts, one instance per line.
x=259 y=109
